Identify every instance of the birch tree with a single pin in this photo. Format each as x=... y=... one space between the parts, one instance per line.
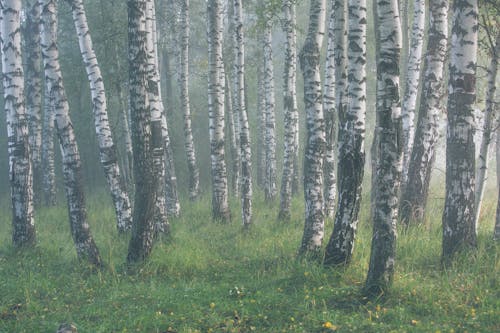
x=107 y=148
x=351 y=156
x=412 y=81
x=20 y=170
x=390 y=154
x=330 y=114
x=33 y=79
x=315 y=143
x=193 y=171
x=216 y=84
x=458 y=217
x=47 y=150
x=416 y=189
x=80 y=229
x=146 y=135
x=290 y=108
x=261 y=127
x=240 y=106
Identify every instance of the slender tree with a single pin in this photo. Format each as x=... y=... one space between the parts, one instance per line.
x=193 y=171
x=216 y=84
x=412 y=81
x=80 y=229
x=33 y=79
x=290 y=108
x=416 y=190
x=351 y=157
x=261 y=120
x=330 y=114
x=315 y=144
x=20 y=169
x=240 y=105
x=234 y=141
x=47 y=151
x=390 y=154
x=107 y=148
x=458 y=217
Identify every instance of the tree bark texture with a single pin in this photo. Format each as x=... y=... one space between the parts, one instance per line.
x=146 y=135
x=351 y=155
x=216 y=84
x=412 y=81
x=107 y=148
x=240 y=106
x=86 y=248
x=315 y=144
x=290 y=108
x=390 y=153
x=416 y=189
x=20 y=168
x=48 y=154
x=458 y=216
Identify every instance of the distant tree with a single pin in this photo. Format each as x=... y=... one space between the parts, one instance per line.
x=73 y=183
x=20 y=170
x=390 y=154
x=290 y=108
x=315 y=140
x=216 y=84
x=415 y=191
x=47 y=151
x=146 y=135
x=107 y=148
x=351 y=155
x=240 y=106
x=458 y=217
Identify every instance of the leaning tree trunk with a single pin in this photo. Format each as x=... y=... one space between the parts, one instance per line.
x=270 y=141
x=351 y=157
x=220 y=206
x=234 y=142
x=490 y=112
x=315 y=144
x=239 y=91
x=146 y=135
x=193 y=171
x=412 y=82
x=73 y=183
x=48 y=154
x=329 y=113
x=34 y=81
x=390 y=153
x=458 y=217
x=415 y=192
x=290 y=109
x=107 y=148
x=20 y=170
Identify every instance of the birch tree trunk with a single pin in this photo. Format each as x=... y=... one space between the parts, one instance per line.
x=193 y=171
x=271 y=175
x=216 y=84
x=412 y=81
x=390 y=153
x=261 y=120
x=416 y=189
x=73 y=183
x=489 y=114
x=329 y=113
x=351 y=142
x=33 y=79
x=20 y=169
x=107 y=148
x=234 y=142
x=458 y=217
x=315 y=144
x=146 y=134
x=240 y=106
x=48 y=164
x=290 y=108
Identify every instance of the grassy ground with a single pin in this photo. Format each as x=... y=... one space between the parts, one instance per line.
x=215 y=278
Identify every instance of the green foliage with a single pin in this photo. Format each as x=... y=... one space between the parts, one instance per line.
x=217 y=278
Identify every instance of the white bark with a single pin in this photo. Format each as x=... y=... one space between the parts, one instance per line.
x=80 y=229
x=48 y=164
x=412 y=81
x=20 y=168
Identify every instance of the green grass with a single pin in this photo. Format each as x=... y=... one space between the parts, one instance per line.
x=216 y=278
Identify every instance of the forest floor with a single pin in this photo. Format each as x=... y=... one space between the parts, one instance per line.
x=210 y=277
